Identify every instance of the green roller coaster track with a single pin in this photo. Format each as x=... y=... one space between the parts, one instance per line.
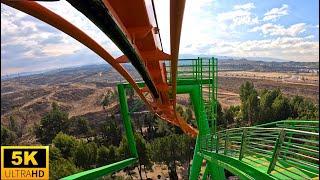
x=287 y=149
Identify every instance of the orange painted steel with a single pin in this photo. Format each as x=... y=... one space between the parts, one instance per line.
x=44 y=14
x=139 y=28
x=136 y=18
x=176 y=17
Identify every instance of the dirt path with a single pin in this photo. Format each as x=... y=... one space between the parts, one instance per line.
x=228 y=98
x=89 y=104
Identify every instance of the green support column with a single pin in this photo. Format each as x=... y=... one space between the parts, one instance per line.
x=206 y=172
x=216 y=171
x=194 y=91
x=126 y=120
x=203 y=127
x=196 y=161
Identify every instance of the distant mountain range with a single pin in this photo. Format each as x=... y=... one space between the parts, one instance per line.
x=266 y=59
x=221 y=59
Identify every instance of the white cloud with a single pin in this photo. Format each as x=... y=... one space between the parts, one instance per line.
x=247 y=6
x=198 y=23
x=203 y=32
x=276 y=13
x=65 y=10
x=290 y=48
x=240 y=15
x=310 y=37
x=19 y=29
x=278 y=30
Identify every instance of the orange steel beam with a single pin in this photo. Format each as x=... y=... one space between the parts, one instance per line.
x=146 y=47
x=44 y=14
x=176 y=17
x=135 y=18
x=140 y=26
x=132 y=34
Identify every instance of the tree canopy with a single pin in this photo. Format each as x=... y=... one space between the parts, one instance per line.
x=51 y=124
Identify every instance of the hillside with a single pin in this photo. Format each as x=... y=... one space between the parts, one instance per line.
x=79 y=90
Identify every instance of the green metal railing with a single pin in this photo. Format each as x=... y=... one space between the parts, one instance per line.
x=203 y=71
x=286 y=149
x=303 y=125
x=278 y=148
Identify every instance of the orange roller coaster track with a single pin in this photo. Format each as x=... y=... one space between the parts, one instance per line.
x=279 y=150
x=136 y=35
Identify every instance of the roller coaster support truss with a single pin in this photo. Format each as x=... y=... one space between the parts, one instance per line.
x=186 y=87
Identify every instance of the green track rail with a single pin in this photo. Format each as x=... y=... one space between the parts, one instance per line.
x=287 y=149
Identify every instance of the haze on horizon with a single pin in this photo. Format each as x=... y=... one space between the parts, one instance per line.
x=275 y=29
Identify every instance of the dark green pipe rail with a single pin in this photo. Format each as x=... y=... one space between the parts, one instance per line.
x=102 y=171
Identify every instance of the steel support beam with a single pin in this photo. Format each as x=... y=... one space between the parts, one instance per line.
x=176 y=17
x=127 y=120
x=38 y=11
x=203 y=127
x=98 y=13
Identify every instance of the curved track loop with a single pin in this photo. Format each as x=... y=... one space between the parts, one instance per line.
x=36 y=10
x=44 y=14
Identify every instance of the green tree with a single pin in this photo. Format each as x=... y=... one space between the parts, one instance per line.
x=66 y=144
x=229 y=115
x=107 y=98
x=163 y=128
x=61 y=168
x=171 y=150
x=281 y=108
x=111 y=132
x=113 y=154
x=124 y=153
x=143 y=149
x=51 y=124
x=82 y=126
x=245 y=90
x=13 y=124
x=143 y=153
x=249 y=102
x=150 y=121
x=267 y=98
x=107 y=155
x=54 y=153
x=252 y=105
x=85 y=154
x=308 y=110
x=295 y=103
x=7 y=137
x=220 y=119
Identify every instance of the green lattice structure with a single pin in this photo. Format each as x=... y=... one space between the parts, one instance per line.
x=286 y=149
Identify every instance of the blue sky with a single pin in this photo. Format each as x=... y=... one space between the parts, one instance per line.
x=274 y=28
